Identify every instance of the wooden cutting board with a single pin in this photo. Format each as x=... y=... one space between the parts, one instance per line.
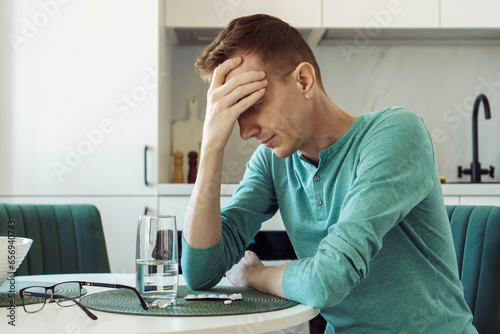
x=187 y=134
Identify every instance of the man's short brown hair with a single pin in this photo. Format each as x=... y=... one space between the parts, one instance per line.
x=279 y=46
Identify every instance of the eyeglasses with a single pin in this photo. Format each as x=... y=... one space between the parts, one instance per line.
x=65 y=294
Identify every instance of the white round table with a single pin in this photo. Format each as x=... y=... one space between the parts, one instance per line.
x=71 y=320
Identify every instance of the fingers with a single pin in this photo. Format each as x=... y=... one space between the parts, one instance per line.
x=219 y=76
x=243 y=85
x=240 y=92
x=250 y=259
x=241 y=106
x=232 y=91
x=238 y=87
x=249 y=253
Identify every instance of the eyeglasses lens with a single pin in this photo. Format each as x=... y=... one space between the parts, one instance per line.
x=31 y=303
x=69 y=289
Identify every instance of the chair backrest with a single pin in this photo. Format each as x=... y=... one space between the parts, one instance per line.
x=476 y=235
x=66 y=238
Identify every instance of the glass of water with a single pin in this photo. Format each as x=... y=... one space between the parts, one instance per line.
x=157 y=263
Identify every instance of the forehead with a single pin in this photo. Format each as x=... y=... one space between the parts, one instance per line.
x=249 y=62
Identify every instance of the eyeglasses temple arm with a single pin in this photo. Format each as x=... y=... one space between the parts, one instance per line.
x=84 y=309
x=143 y=303
x=119 y=286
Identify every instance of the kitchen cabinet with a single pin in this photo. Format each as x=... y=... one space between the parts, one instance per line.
x=472 y=194
x=216 y=14
x=333 y=21
x=376 y=14
x=407 y=21
x=119 y=216
x=451 y=200
x=199 y=21
x=470 y=14
x=83 y=103
x=480 y=200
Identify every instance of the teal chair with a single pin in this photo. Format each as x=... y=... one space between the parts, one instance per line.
x=66 y=238
x=476 y=235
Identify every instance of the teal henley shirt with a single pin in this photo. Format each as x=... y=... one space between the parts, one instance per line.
x=368 y=225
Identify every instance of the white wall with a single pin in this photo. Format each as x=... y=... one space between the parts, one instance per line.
x=6 y=74
x=439 y=83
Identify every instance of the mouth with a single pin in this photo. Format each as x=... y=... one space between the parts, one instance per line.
x=267 y=142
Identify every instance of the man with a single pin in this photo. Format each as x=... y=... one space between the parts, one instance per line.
x=359 y=196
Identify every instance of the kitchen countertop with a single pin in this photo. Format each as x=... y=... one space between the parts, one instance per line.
x=449 y=189
x=185 y=189
x=472 y=189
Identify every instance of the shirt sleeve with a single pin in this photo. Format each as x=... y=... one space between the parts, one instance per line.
x=396 y=171
x=251 y=204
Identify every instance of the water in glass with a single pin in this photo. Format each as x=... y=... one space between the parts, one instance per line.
x=157 y=279
x=157 y=259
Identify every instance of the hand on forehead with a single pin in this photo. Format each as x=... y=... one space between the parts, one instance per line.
x=248 y=63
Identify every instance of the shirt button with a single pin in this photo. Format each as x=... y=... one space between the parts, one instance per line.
x=319 y=202
x=316 y=178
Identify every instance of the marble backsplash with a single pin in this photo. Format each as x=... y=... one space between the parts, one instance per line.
x=437 y=82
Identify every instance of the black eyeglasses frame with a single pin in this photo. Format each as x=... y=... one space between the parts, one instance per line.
x=54 y=297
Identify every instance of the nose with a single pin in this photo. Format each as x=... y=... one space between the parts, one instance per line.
x=248 y=127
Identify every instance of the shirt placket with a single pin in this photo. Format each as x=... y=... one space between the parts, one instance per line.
x=319 y=207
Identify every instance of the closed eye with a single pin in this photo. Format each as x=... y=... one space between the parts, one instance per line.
x=257 y=105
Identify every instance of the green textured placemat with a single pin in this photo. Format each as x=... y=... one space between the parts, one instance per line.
x=8 y=291
x=125 y=301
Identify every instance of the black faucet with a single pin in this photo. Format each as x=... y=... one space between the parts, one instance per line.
x=475 y=170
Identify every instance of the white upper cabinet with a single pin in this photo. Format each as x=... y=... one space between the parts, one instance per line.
x=83 y=104
x=217 y=13
x=375 y=14
x=470 y=14
x=198 y=21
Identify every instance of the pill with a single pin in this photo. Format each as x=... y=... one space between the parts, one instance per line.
x=227 y=302
x=163 y=303
x=236 y=296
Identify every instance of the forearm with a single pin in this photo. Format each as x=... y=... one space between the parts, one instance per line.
x=251 y=272
x=226 y=101
x=268 y=279
x=202 y=225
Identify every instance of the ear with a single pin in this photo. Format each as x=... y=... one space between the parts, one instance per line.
x=305 y=77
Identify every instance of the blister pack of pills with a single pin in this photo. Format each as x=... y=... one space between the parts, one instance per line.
x=227 y=298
